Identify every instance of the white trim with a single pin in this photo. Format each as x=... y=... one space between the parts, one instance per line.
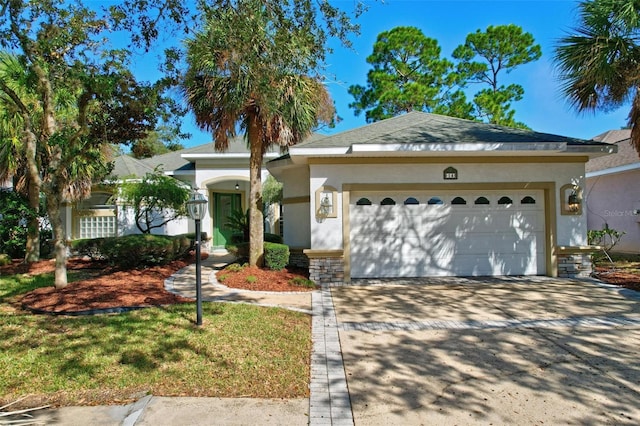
x=613 y=170
x=317 y=151
x=464 y=147
x=225 y=156
x=180 y=173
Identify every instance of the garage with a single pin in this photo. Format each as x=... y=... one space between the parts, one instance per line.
x=447 y=233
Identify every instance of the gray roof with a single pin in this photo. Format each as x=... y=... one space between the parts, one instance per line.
x=626 y=153
x=421 y=127
x=125 y=165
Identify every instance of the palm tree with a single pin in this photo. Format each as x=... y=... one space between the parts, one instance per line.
x=246 y=73
x=18 y=143
x=598 y=63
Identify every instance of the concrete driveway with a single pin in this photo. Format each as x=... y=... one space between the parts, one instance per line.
x=498 y=351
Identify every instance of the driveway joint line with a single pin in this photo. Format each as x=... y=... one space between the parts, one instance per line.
x=606 y=321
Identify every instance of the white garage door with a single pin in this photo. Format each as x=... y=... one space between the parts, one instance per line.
x=462 y=233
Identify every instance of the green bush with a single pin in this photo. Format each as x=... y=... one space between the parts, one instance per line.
x=91 y=247
x=239 y=237
x=302 y=282
x=139 y=250
x=272 y=238
x=16 y=214
x=181 y=245
x=239 y=250
x=276 y=256
x=4 y=259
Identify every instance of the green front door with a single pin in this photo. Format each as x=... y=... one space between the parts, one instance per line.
x=224 y=204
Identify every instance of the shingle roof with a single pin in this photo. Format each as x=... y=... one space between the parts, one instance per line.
x=626 y=153
x=125 y=165
x=421 y=127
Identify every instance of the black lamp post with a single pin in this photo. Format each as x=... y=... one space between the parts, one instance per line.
x=197 y=207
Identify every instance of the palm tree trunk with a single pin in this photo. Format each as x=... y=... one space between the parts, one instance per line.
x=256 y=220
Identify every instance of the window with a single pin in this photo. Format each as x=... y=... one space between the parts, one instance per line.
x=481 y=201
x=459 y=201
x=528 y=200
x=95 y=217
x=363 y=202
x=505 y=200
x=434 y=200
x=411 y=201
x=97 y=226
x=388 y=202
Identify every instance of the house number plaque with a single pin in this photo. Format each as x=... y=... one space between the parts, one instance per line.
x=450 y=173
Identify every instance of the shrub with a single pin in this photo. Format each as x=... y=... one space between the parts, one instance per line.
x=239 y=237
x=303 y=282
x=16 y=215
x=276 y=256
x=181 y=245
x=4 y=260
x=272 y=238
x=252 y=279
x=235 y=267
x=89 y=247
x=139 y=250
x=240 y=250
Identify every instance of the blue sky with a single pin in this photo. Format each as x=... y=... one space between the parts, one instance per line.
x=449 y=21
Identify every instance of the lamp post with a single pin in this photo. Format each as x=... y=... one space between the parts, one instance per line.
x=197 y=207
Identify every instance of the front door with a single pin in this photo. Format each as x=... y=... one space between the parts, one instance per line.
x=224 y=204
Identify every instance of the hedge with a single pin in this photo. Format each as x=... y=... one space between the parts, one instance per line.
x=135 y=250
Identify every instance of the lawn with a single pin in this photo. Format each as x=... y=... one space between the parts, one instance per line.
x=240 y=351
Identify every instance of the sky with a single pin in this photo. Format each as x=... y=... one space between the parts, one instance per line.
x=542 y=108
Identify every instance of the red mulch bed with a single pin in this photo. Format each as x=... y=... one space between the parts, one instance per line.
x=257 y=279
x=627 y=278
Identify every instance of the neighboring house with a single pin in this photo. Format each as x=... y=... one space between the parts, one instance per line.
x=427 y=195
x=613 y=190
x=223 y=177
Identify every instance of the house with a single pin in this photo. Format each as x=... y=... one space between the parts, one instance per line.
x=427 y=195
x=223 y=177
x=613 y=190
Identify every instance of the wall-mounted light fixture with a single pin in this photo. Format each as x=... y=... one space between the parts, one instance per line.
x=326 y=203
x=237 y=186
x=571 y=199
x=326 y=207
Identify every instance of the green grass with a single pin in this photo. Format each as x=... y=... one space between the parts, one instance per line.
x=620 y=260
x=241 y=350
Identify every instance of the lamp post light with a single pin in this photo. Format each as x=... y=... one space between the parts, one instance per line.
x=197 y=207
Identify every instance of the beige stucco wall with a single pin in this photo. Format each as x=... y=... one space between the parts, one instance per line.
x=611 y=199
x=296 y=207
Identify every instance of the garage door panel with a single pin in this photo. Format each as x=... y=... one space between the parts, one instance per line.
x=443 y=240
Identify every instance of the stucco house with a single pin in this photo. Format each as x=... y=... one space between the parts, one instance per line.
x=613 y=190
x=223 y=177
x=427 y=195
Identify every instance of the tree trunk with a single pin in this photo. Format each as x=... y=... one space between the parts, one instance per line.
x=256 y=220
x=33 y=191
x=60 y=247
x=32 y=253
